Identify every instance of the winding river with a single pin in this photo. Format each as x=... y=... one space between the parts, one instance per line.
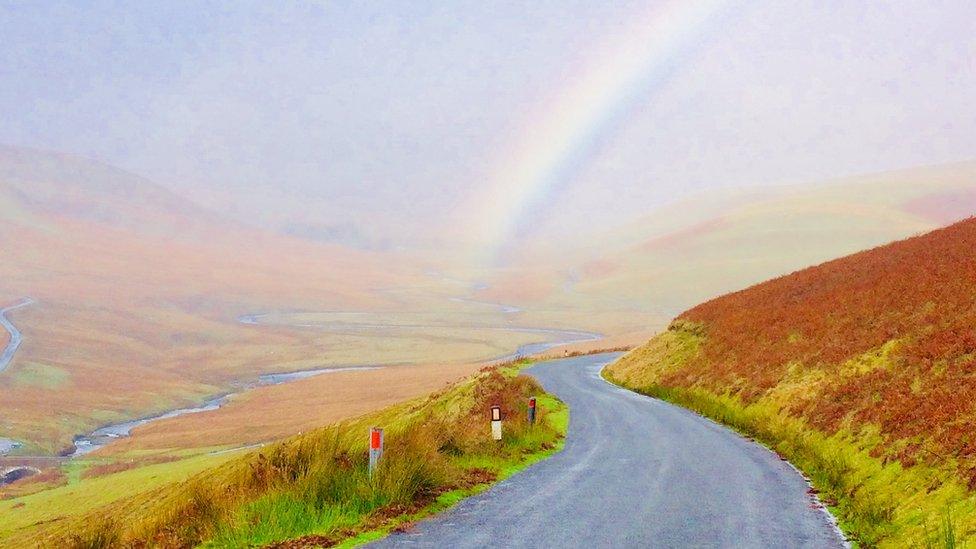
x=84 y=444
x=6 y=444
x=98 y=438
x=15 y=337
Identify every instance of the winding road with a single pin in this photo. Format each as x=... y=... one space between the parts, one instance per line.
x=15 y=338
x=636 y=472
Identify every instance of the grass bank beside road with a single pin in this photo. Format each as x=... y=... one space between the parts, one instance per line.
x=860 y=371
x=314 y=489
x=878 y=503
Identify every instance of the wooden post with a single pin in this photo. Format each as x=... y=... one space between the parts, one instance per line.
x=496 y=422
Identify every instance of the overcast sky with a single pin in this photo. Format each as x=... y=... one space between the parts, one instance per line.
x=385 y=122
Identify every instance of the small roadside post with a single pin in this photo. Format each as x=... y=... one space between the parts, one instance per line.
x=375 y=447
x=532 y=411
x=496 y=422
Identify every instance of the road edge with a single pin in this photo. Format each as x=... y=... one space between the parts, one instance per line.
x=559 y=419
x=813 y=493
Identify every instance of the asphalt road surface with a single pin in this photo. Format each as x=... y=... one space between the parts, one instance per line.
x=636 y=472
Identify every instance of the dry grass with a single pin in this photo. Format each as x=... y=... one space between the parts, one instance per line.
x=138 y=294
x=110 y=468
x=142 y=324
x=49 y=477
x=891 y=329
x=866 y=364
x=316 y=483
x=273 y=412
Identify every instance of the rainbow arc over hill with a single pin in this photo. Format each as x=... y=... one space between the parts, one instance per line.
x=610 y=82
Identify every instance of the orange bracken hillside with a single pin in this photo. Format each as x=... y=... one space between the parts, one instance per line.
x=918 y=296
x=861 y=371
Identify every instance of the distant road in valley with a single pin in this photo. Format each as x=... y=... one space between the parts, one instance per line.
x=636 y=472
x=15 y=337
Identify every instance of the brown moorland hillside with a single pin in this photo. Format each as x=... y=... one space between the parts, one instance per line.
x=874 y=352
x=137 y=295
x=918 y=297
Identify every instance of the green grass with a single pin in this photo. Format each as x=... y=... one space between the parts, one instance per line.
x=558 y=419
x=406 y=488
x=45 y=376
x=316 y=484
x=878 y=504
x=24 y=515
x=942 y=536
x=878 y=501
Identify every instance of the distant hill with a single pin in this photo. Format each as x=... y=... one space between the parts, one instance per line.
x=706 y=245
x=878 y=348
x=37 y=183
x=138 y=292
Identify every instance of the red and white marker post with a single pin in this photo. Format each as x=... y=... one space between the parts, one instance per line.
x=532 y=411
x=375 y=448
x=496 y=422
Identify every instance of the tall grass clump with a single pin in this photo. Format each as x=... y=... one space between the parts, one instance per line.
x=317 y=487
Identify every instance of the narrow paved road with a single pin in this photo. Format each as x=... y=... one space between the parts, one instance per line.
x=636 y=472
x=15 y=338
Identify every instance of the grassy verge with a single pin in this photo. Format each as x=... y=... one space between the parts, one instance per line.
x=878 y=503
x=314 y=489
x=26 y=515
x=557 y=418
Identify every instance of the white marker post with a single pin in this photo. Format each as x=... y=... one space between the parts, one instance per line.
x=496 y=422
x=375 y=448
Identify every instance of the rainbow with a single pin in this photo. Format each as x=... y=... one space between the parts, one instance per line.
x=553 y=143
